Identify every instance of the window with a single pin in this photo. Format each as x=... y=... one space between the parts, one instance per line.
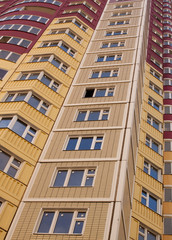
x=69 y=222
x=167 y=82
x=168 y=225
x=167 y=70
x=150 y=170
x=10 y=56
x=154 y=104
x=168 y=194
x=116 y=57
x=81 y=12
x=155 y=88
x=2 y=73
x=153 y=144
x=153 y=122
x=84 y=143
x=19 y=41
x=156 y=51
x=93 y=115
x=168 y=95
x=19 y=127
x=155 y=74
x=9 y=164
x=157 y=41
x=55 y=2
x=167 y=146
x=31 y=99
x=102 y=92
x=121 y=22
x=26 y=17
x=150 y=201
x=19 y=27
x=102 y=74
x=68 y=32
x=124 y=6
x=74 y=178
x=60 y=44
x=41 y=77
x=53 y=60
x=145 y=234
x=158 y=64
x=113 y=44
x=115 y=14
x=115 y=33
x=168 y=168
x=75 y=21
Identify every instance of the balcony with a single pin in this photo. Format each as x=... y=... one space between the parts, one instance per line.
x=47 y=67
x=26 y=111
x=150 y=154
x=149 y=182
x=19 y=146
x=39 y=88
x=57 y=51
x=149 y=129
x=148 y=108
x=147 y=216
x=11 y=189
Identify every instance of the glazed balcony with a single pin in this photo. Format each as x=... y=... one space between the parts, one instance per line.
x=149 y=129
x=154 y=95
x=147 y=216
x=148 y=153
x=149 y=182
x=19 y=146
x=39 y=88
x=57 y=51
x=29 y=113
x=11 y=189
x=49 y=68
x=157 y=114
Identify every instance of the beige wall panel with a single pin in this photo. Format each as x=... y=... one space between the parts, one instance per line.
x=94 y=227
x=120 y=93
x=166 y=237
x=110 y=147
x=126 y=206
x=101 y=188
x=129 y=43
x=133 y=21
x=134 y=138
x=116 y=116
x=127 y=57
x=167 y=179
x=131 y=170
x=140 y=160
x=132 y=31
x=113 y=5
x=134 y=229
x=121 y=235
x=6 y=215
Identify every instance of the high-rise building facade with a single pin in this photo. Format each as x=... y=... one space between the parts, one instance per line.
x=85 y=119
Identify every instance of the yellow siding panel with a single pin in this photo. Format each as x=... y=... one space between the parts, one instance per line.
x=167 y=207
x=6 y=215
x=25 y=173
x=2 y=234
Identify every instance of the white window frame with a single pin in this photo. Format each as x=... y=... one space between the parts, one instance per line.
x=146 y=233
x=122 y=32
x=148 y=166
x=19 y=43
x=119 y=44
x=122 y=22
x=147 y=200
x=94 y=141
x=155 y=88
x=158 y=64
x=101 y=114
x=55 y=218
x=149 y=143
x=151 y=102
x=151 y=119
x=111 y=73
x=119 y=14
x=155 y=74
x=116 y=56
x=69 y=172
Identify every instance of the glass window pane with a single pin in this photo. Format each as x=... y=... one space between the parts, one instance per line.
x=25 y=43
x=151 y=236
x=3 y=54
x=153 y=203
x=155 y=146
x=55 y=62
x=16 y=162
x=95 y=75
x=105 y=74
x=12 y=171
x=81 y=116
x=76 y=178
x=25 y=28
x=34 y=18
x=60 y=178
x=4 y=158
x=100 y=93
x=93 y=116
x=13 y=57
x=34 y=101
x=20 y=97
x=98 y=145
x=154 y=172
x=78 y=227
x=72 y=144
x=35 y=30
x=2 y=73
x=63 y=222
x=85 y=143
x=110 y=58
x=29 y=137
x=19 y=127
x=4 y=122
x=89 y=181
x=46 y=221
x=14 y=40
x=46 y=80
x=9 y=98
x=33 y=76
